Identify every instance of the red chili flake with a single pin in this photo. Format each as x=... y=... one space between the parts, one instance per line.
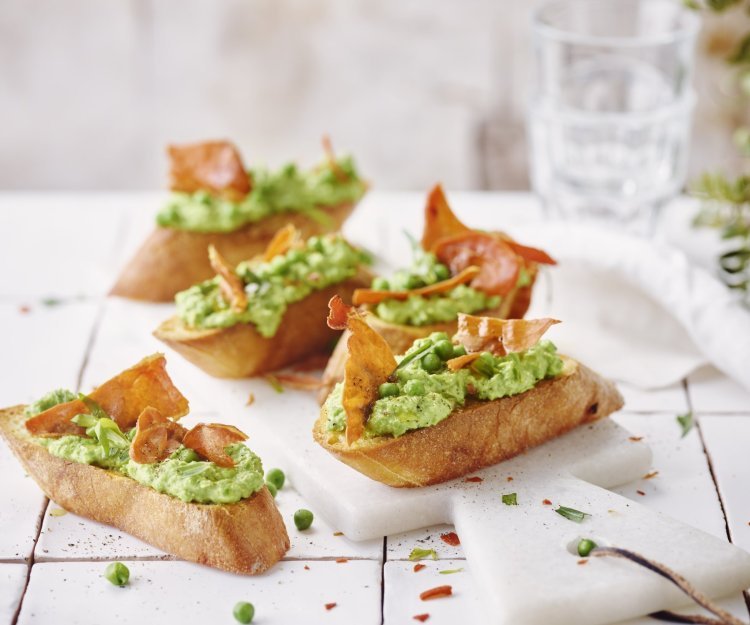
x=451 y=538
x=342 y=560
x=509 y=479
x=419 y=567
x=24 y=310
x=330 y=606
x=307 y=568
x=436 y=593
x=476 y=478
x=635 y=439
x=546 y=502
x=648 y=476
x=338 y=533
x=421 y=617
x=582 y=562
x=640 y=492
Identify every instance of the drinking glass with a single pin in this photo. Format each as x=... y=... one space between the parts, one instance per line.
x=611 y=107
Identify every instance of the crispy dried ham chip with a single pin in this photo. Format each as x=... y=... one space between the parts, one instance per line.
x=214 y=166
x=284 y=240
x=231 y=286
x=499 y=336
x=210 y=441
x=331 y=159
x=459 y=362
x=533 y=254
x=156 y=437
x=498 y=263
x=372 y=296
x=123 y=398
x=368 y=364
x=439 y=220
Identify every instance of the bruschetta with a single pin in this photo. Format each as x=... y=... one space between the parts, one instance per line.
x=120 y=456
x=455 y=270
x=216 y=201
x=266 y=313
x=448 y=407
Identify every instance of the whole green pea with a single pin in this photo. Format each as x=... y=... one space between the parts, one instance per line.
x=444 y=349
x=117 y=573
x=243 y=612
x=459 y=350
x=388 y=389
x=431 y=362
x=276 y=477
x=380 y=284
x=294 y=256
x=414 y=282
x=303 y=519
x=272 y=489
x=442 y=272
x=414 y=387
x=585 y=546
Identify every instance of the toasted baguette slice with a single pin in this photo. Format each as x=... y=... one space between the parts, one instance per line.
x=400 y=337
x=246 y=537
x=240 y=352
x=172 y=260
x=479 y=434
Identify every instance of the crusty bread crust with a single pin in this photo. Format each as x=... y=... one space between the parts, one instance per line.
x=240 y=352
x=246 y=537
x=172 y=260
x=479 y=434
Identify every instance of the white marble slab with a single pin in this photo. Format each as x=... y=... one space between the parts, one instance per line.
x=727 y=440
x=75 y=593
x=12 y=583
x=399 y=546
x=711 y=391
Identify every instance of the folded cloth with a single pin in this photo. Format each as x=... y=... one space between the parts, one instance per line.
x=636 y=309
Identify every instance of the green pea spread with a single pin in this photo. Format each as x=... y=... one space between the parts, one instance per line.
x=183 y=475
x=425 y=398
x=419 y=310
x=271 y=286
x=282 y=191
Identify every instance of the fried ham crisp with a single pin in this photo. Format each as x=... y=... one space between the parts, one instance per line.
x=123 y=398
x=368 y=364
x=439 y=220
x=213 y=166
x=499 y=336
x=373 y=296
x=284 y=240
x=232 y=287
x=210 y=441
x=156 y=437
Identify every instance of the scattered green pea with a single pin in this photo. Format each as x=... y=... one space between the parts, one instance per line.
x=276 y=477
x=272 y=489
x=485 y=364
x=294 y=256
x=243 y=612
x=459 y=350
x=303 y=519
x=442 y=272
x=431 y=362
x=444 y=349
x=380 y=284
x=414 y=282
x=388 y=389
x=585 y=546
x=117 y=573
x=414 y=387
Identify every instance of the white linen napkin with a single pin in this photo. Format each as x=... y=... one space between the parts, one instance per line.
x=634 y=309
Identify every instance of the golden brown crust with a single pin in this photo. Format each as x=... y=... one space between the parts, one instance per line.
x=240 y=352
x=479 y=434
x=247 y=537
x=172 y=260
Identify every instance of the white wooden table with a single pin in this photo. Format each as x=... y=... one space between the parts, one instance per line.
x=61 y=252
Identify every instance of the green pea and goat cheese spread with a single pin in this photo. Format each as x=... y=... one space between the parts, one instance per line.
x=183 y=475
x=271 y=286
x=282 y=191
x=424 y=391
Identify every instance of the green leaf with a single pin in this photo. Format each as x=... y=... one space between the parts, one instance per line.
x=94 y=407
x=85 y=420
x=510 y=499
x=421 y=554
x=274 y=382
x=450 y=571
x=686 y=422
x=572 y=514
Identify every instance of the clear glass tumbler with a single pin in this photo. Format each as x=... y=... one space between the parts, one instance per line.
x=611 y=107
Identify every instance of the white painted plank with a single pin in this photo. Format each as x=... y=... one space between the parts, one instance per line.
x=683 y=488
x=711 y=391
x=177 y=592
x=669 y=399
x=727 y=439
x=12 y=583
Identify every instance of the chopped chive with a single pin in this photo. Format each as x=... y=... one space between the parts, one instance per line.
x=686 y=422
x=450 y=571
x=407 y=359
x=571 y=514
x=421 y=554
x=274 y=382
x=510 y=499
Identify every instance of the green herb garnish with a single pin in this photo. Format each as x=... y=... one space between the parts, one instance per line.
x=421 y=554
x=686 y=422
x=274 y=382
x=572 y=514
x=450 y=571
x=194 y=468
x=510 y=499
x=93 y=406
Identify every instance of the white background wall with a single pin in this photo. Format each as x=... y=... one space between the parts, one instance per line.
x=92 y=90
